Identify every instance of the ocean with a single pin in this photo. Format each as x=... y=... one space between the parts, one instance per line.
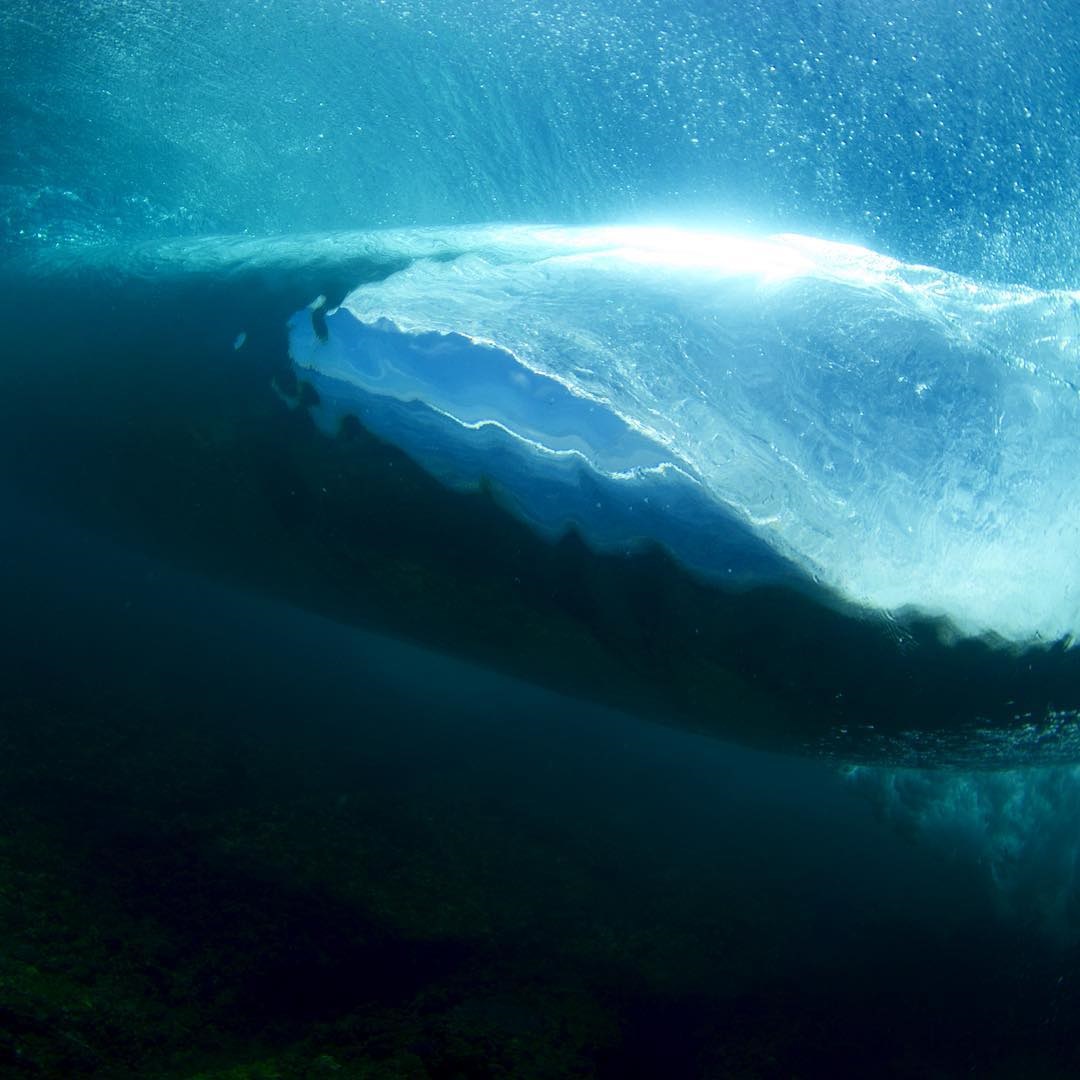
x=539 y=541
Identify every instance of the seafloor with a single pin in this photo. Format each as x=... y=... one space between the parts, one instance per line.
x=191 y=891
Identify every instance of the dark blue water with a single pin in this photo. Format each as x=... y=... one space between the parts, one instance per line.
x=684 y=906
x=366 y=713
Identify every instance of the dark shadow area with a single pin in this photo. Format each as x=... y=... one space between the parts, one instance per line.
x=275 y=958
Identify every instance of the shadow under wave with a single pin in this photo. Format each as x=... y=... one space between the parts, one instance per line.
x=124 y=404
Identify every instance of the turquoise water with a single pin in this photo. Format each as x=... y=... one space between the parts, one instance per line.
x=646 y=384
x=943 y=134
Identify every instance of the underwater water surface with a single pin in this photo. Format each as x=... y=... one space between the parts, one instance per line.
x=539 y=540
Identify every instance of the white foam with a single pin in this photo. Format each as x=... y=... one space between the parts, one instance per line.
x=905 y=435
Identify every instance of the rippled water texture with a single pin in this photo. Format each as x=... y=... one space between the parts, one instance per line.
x=942 y=134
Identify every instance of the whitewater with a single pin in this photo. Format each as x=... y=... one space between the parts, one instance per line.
x=896 y=432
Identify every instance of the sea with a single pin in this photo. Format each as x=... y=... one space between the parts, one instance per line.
x=539 y=539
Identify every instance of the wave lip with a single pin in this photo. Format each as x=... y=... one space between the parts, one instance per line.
x=471 y=413
x=767 y=408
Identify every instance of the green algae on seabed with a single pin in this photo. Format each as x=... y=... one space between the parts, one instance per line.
x=75 y=999
x=270 y=933
x=185 y=894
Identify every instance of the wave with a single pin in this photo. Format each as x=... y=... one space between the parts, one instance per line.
x=768 y=409
x=859 y=469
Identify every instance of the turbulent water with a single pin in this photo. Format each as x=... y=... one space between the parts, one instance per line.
x=719 y=363
x=902 y=433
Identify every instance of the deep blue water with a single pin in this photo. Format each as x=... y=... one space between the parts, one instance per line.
x=567 y=509
x=728 y=912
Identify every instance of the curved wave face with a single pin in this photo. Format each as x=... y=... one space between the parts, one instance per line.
x=780 y=404
x=764 y=408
